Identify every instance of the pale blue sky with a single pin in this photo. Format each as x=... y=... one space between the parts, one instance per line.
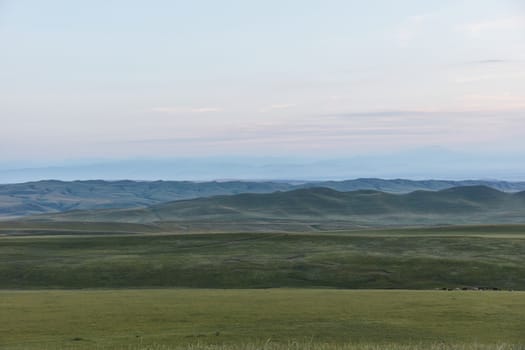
x=125 y=79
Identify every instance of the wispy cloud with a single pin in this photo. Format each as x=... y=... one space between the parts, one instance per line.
x=178 y=110
x=500 y=102
x=278 y=106
x=368 y=129
x=383 y=113
x=481 y=77
x=471 y=111
x=489 y=61
x=508 y=23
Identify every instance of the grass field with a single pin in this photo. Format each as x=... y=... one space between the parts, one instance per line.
x=478 y=256
x=44 y=303
x=156 y=319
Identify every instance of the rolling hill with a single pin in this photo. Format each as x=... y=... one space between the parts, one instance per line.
x=53 y=196
x=319 y=208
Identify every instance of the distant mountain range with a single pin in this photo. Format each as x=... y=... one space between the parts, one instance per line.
x=53 y=196
x=417 y=163
x=318 y=208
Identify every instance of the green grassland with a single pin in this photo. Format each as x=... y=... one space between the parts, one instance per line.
x=447 y=257
x=156 y=319
x=139 y=287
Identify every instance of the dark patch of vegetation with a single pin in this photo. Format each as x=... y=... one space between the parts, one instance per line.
x=461 y=257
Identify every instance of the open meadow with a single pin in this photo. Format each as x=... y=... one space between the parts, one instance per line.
x=165 y=318
x=429 y=258
x=158 y=290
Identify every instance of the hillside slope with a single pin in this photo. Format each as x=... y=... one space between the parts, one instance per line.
x=52 y=196
x=460 y=205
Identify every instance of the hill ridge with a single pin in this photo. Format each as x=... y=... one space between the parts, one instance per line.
x=322 y=206
x=51 y=196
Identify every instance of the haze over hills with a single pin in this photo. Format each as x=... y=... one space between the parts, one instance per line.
x=56 y=196
x=417 y=163
x=319 y=208
x=51 y=196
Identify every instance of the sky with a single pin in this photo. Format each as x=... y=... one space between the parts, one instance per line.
x=98 y=81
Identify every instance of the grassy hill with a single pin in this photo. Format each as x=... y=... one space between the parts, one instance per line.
x=57 y=196
x=52 y=196
x=320 y=208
